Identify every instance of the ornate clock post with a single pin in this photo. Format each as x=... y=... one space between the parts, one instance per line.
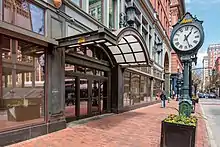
x=186 y=39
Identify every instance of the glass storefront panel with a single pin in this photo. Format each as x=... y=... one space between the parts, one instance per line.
x=137 y=89
x=84 y=97
x=70 y=97
x=95 y=9
x=22 y=91
x=24 y=14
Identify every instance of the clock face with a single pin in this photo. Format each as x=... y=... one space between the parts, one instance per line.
x=186 y=38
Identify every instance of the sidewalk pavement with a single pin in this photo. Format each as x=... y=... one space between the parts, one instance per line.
x=137 y=128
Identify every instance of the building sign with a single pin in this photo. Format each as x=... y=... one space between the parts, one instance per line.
x=184 y=21
x=81 y=40
x=24 y=14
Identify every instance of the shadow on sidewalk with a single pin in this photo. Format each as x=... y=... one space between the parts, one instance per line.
x=112 y=121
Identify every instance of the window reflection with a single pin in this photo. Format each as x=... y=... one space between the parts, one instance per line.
x=22 y=85
x=95 y=9
x=24 y=14
x=77 y=2
x=136 y=88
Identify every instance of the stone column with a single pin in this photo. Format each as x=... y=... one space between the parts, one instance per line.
x=56 y=81
x=1 y=88
x=151 y=88
x=14 y=61
x=117 y=89
x=167 y=84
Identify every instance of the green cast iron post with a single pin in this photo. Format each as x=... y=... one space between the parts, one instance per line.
x=185 y=103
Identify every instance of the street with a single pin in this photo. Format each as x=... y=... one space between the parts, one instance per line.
x=211 y=110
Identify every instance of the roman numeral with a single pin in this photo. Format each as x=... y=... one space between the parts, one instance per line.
x=176 y=39
x=181 y=30
x=180 y=46
x=197 y=36
x=177 y=43
x=195 y=41
x=177 y=34
x=186 y=28
x=190 y=45
x=195 y=32
x=185 y=47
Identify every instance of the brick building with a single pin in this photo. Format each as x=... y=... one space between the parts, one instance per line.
x=177 y=10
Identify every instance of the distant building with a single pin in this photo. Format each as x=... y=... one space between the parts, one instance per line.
x=217 y=65
x=213 y=53
x=205 y=71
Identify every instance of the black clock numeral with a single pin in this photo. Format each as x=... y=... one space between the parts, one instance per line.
x=177 y=34
x=195 y=41
x=186 y=28
x=197 y=36
x=185 y=47
x=177 y=43
x=195 y=32
x=176 y=39
x=181 y=30
x=190 y=45
x=181 y=47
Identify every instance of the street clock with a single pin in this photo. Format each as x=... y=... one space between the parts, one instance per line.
x=187 y=35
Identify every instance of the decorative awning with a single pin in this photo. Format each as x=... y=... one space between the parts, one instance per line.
x=125 y=45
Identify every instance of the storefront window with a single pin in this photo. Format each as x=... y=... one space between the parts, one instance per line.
x=24 y=14
x=136 y=89
x=111 y=14
x=22 y=91
x=95 y=9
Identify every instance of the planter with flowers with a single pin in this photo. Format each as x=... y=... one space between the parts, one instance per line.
x=178 y=131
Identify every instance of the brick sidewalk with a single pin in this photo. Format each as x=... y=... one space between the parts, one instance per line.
x=138 y=128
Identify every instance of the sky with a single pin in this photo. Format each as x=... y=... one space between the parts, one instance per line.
x=209 y=12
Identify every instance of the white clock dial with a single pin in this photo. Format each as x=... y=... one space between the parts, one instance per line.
x=186 y=38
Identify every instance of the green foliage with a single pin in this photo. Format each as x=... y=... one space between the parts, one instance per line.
x=181 y=119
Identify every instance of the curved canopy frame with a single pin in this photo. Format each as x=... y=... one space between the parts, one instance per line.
x=125 y=47
x=130 y=48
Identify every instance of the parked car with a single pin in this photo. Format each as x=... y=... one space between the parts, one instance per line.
x=201 y=95
x=212 y=95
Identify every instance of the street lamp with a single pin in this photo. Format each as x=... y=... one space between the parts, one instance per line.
x=130 y=12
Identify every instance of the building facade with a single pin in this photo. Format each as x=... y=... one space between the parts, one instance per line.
x=213 y=53
x=67 y=60
x=205 y=72
x=177 y=10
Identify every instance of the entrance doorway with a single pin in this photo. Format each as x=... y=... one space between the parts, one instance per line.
x=85 y=96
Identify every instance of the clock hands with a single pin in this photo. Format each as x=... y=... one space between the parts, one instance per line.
x=186 y=36
x=186 y=39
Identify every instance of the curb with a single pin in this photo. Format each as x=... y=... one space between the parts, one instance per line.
x=211 y=139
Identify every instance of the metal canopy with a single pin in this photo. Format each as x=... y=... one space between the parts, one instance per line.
x=126 y=45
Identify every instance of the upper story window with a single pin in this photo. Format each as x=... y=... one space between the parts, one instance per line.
x=95 y=9
x=77 y=2
x=111 y=14
x=24 y=14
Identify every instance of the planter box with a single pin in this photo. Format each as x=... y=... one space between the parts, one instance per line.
x=177 y=135
x=21 y=113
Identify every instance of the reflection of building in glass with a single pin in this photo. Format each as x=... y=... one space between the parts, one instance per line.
x=95 y=9
x=24 y=14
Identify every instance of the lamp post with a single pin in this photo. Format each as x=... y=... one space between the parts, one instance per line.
x=178 y=82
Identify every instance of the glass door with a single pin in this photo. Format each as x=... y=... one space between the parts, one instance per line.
x=95 y=104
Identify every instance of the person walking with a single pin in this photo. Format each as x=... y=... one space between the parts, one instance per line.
x=163 y=99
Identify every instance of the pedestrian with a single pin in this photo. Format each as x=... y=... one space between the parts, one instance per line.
x=163 y=99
